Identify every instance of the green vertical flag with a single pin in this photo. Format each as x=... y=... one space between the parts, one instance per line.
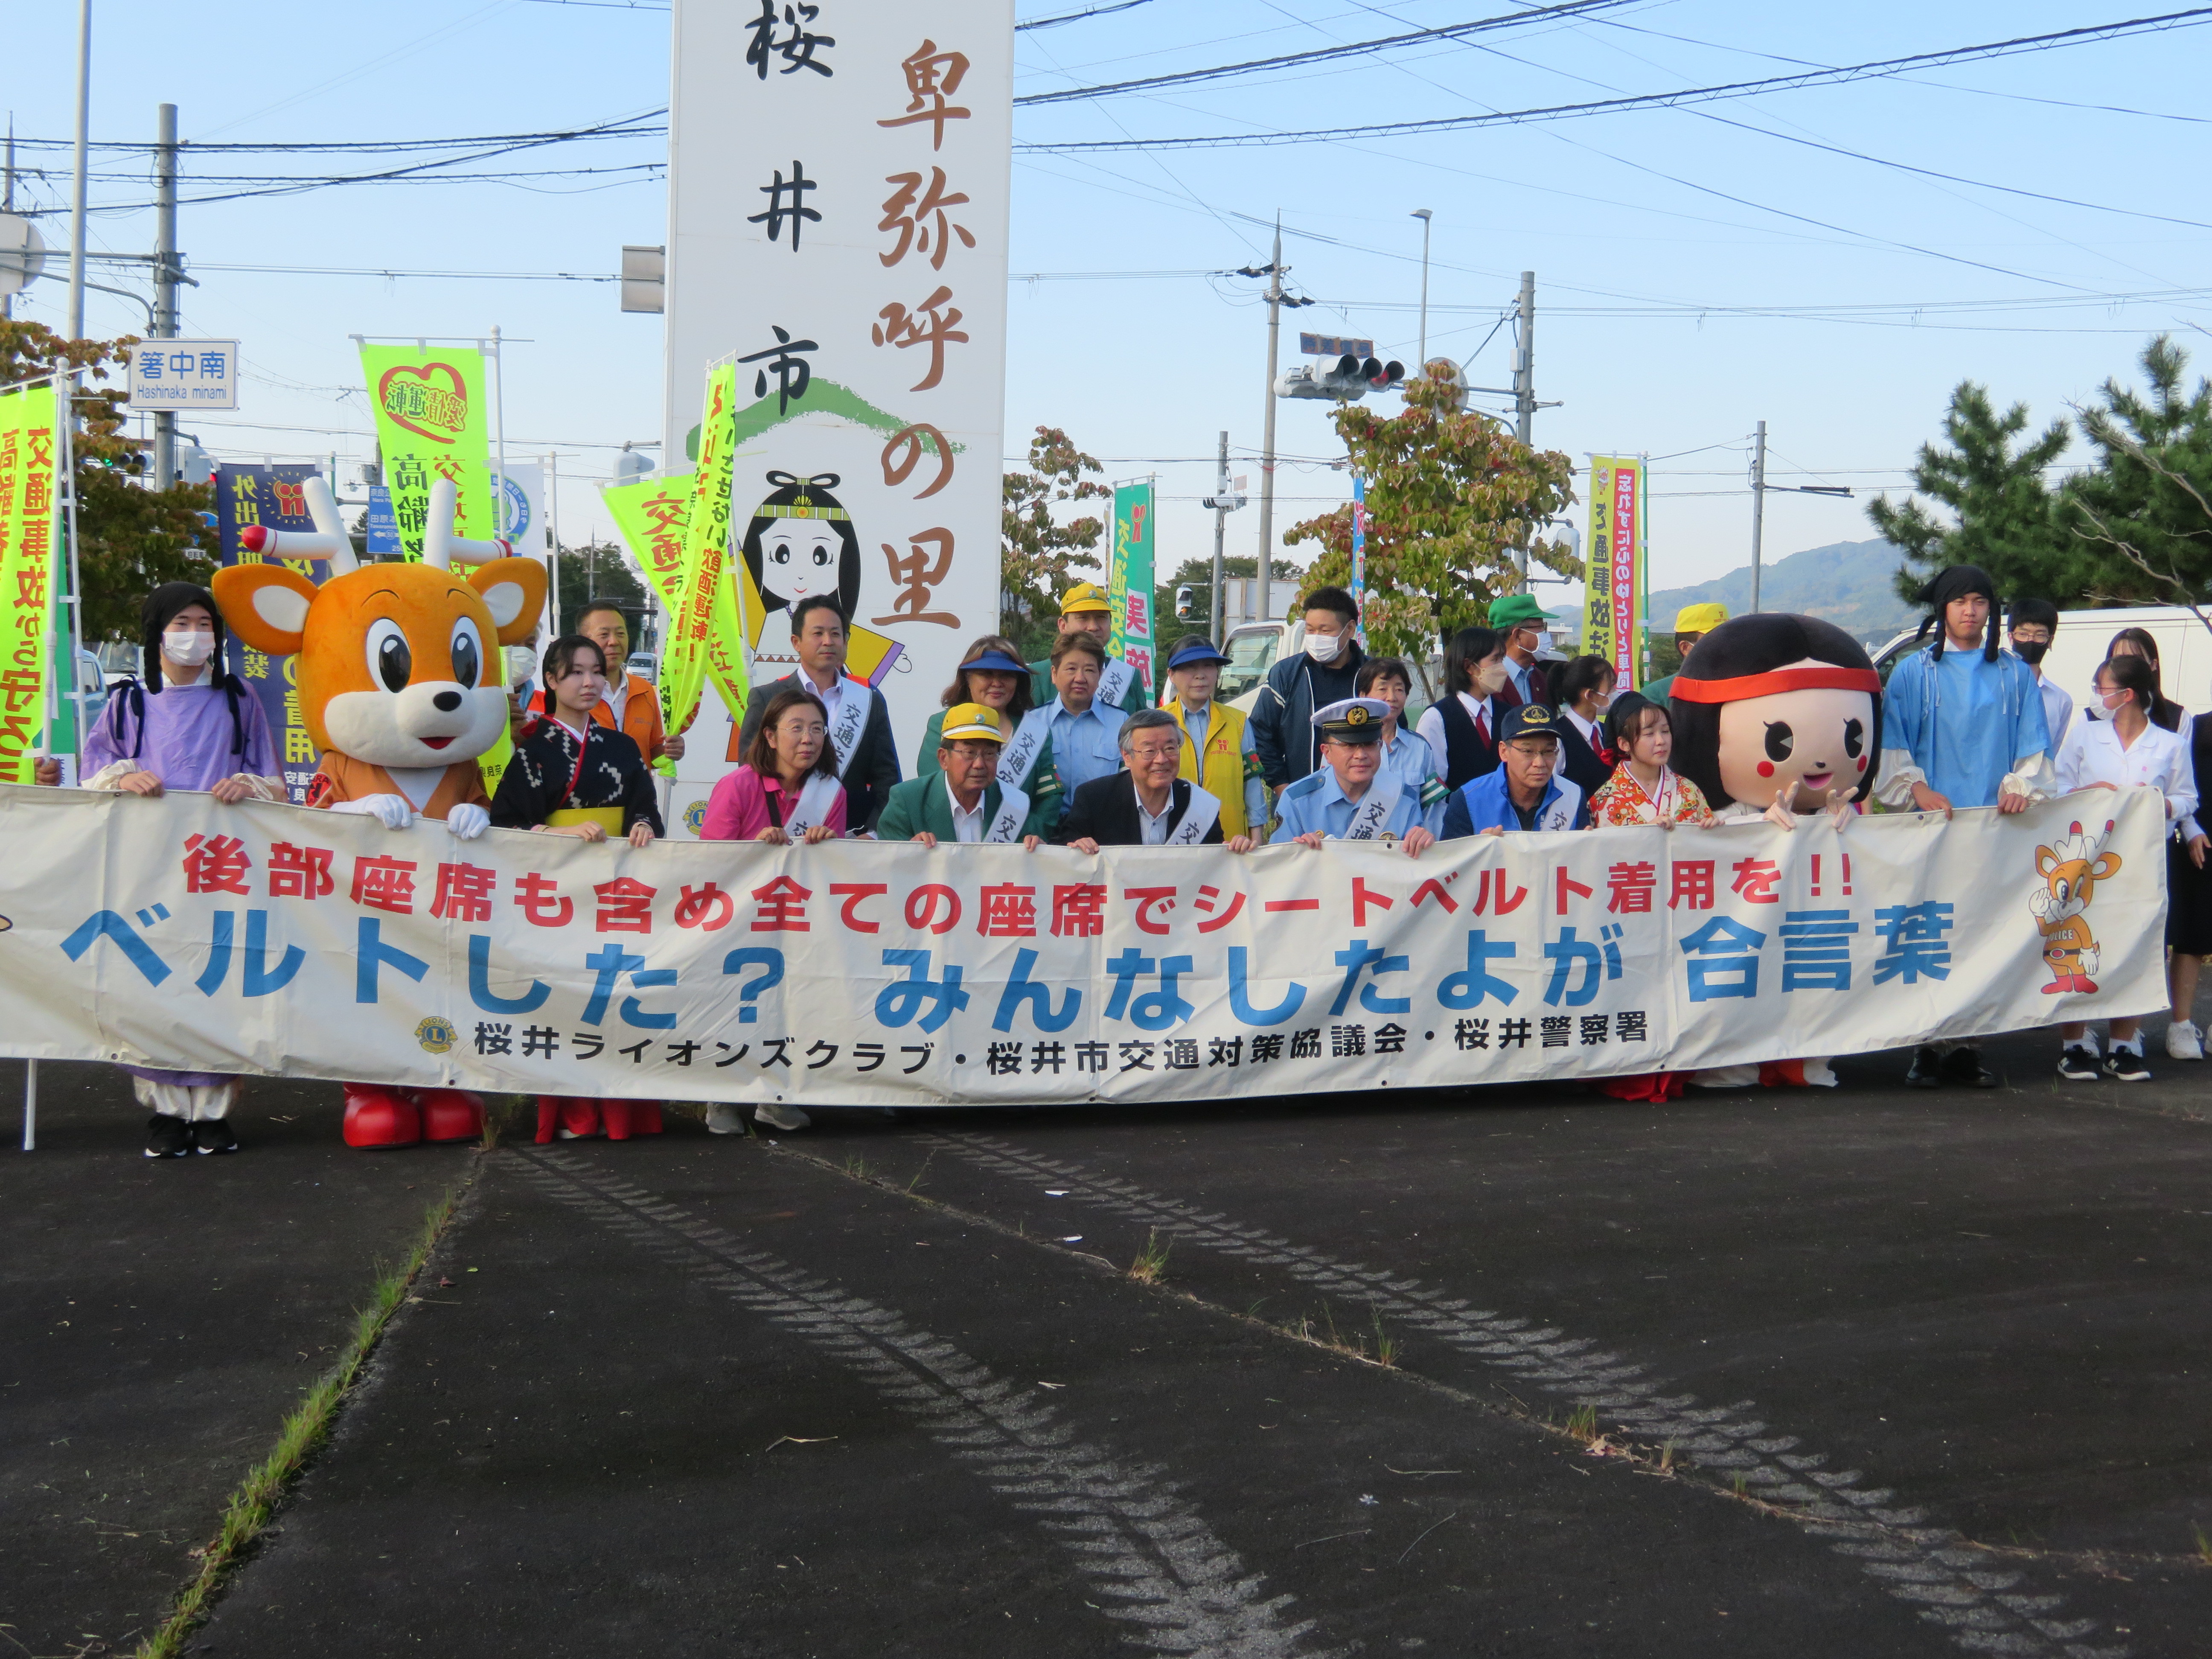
x=1129 y=581
x=431 y=424
x=27 y=545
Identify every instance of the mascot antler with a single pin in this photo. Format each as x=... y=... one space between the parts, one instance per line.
x=328 y=540
x=441 y=549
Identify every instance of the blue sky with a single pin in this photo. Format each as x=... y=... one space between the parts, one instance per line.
x=1699 y=269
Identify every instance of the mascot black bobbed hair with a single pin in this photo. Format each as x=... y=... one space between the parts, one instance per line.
x=1770 y=702
x=800 y=542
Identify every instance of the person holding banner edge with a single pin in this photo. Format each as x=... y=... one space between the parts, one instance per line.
x=860 y=719
x=1086 y=609
x=1524 y=792
x=571 y=775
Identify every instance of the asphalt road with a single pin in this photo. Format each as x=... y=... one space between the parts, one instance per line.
x=1850 y=1372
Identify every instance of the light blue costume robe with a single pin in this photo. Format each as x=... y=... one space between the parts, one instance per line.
x=1964 y=722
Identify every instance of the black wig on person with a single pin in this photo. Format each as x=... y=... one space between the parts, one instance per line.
x=1955 y=583
x=155 y=612
x=1758 y=644
x=804 y=498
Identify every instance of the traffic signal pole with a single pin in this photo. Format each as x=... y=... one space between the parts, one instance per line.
x=1220 y=529
x=1524 y=390
x=1267 y=439
x=165 y=284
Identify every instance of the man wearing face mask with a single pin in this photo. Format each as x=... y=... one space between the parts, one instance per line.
x=1528 y=631
x=191 y=725
x=2034 y=626
x=1325 y=672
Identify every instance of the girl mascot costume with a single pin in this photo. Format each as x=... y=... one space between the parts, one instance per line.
x=1774 y=715
x=399 y=687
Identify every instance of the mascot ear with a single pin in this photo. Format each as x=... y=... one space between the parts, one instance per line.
x=265 y=605
x=514 y=591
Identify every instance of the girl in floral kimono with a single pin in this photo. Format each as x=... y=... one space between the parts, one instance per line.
x=1644 y=788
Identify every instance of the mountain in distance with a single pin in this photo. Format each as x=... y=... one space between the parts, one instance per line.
x=1851 y=584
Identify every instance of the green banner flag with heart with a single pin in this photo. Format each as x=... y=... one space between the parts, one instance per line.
x=651 y=516
x=431 y=424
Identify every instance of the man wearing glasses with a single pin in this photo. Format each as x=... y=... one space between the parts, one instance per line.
x=1146 y=804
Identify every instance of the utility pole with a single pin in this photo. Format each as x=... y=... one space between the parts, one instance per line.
x=1267 y=436
x=77 y=201
x=1424 y=215
x=1524 y=390
x=8 y=206
x=1757 y=507
x=165 y=285
x=1221 y=528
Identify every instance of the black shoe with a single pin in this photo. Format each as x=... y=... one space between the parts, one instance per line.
x=1964 y=1066
x=213 y=1134
x=2078 y=1065
x=1927 y=1071
x=167 y=1137
x=2126 y=1065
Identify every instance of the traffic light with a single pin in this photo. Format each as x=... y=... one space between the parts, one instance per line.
x=1348 y=379
x=1182 y=603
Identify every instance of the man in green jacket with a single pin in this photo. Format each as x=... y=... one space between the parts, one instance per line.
x=1086 y=609
x=963 y=800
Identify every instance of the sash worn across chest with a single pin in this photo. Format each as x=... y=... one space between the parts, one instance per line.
x=1372 y=816
x=1114 y=682
x=1016 y=758
x=852 y=720
x=1006 y=824
x=815 y=800
x=1198 y=820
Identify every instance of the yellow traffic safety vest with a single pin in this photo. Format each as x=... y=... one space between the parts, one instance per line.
x=1220 y=771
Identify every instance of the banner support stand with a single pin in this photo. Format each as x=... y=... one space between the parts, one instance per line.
x=30 y=1105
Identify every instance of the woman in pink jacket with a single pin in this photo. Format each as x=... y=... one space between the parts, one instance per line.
x=787 y=788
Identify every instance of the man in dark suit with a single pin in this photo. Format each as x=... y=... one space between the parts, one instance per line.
x=1146 y=805
x=860 y=719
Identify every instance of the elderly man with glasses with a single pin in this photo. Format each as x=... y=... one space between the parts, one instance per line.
x=1146 y=805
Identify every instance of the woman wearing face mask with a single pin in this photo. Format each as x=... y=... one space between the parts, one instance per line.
x=2121 y=749
x=1462 y=730
x=2163 y=712
x=1584 y=688
x=191 y=725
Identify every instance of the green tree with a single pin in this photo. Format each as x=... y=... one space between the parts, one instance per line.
x=1038 y=554
x=131 y=538
x=2140 y=513
x=2001 y=509
x=1450 y=494
x=600 y=570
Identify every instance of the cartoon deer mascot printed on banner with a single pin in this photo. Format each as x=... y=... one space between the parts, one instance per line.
x=2071 y=866
x=399 y=687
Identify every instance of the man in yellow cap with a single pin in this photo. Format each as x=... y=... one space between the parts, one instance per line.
x=963 y=800
x=1691 y=624
x=1085 y=609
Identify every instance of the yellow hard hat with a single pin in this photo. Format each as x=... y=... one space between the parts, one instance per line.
x=1085 y=596
x=972 y=719
x=1699 y=619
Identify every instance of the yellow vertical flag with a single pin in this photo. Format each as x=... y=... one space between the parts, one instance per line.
x=691 y=598
x=27 y=572
x=652 y=516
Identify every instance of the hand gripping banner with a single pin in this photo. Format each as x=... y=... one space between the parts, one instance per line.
x=265 y=938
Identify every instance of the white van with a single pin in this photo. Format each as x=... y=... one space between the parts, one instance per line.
x=2078 y=646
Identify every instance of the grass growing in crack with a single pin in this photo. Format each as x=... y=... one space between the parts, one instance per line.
x=858 y=1168
x=304 y=1430
x=1666 y=1458
x=1582 y=1423
x=1739 y=1484
x=922 y=1171
x=1386 y=1345
x=2203 y=1544
x=1151 y=1263
x=499 y=1114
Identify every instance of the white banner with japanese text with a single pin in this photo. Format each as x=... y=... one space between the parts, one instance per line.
x=271 y=939
x=837 y=205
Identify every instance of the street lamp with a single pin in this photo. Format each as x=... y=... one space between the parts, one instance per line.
x=1423 y=215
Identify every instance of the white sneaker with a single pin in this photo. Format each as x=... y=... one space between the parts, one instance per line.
x=781 y=1117
x=2184 y=1040
x=724 y=1118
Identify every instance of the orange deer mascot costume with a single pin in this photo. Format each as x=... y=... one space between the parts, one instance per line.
x=399 y=688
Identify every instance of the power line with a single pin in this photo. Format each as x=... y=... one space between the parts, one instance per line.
x=1654 y=100
x=1078 y=17
x=1323 y=54
x=623 y=127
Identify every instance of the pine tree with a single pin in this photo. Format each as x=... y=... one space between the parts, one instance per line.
x=2140 y=515
x=1450 y=494
x=2001 y=508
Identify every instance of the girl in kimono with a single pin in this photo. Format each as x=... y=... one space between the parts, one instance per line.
x=1644 y=788
x=787 y=788
x=572 y=776
x=191 y=725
